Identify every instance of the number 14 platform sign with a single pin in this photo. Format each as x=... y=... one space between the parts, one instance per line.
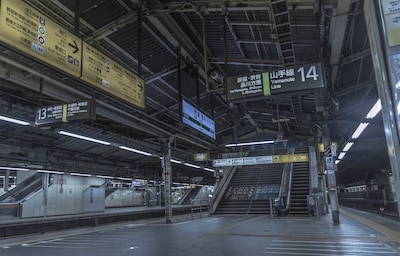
x=283 y=80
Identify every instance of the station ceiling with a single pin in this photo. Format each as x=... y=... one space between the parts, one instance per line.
x=175 y=46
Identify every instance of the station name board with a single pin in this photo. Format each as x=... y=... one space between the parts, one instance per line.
x=290 y=79
x=197 y=120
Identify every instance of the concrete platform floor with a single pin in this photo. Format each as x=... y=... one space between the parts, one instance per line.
x=357 y=234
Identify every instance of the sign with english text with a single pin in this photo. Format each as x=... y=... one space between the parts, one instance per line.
x=283 y=80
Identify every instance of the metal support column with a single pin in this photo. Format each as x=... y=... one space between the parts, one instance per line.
x=45 y=185
x=168 y=181
x=6 y=180
x=383 y=27
x=330 y=174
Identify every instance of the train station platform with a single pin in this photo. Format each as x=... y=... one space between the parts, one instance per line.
x=359 y=233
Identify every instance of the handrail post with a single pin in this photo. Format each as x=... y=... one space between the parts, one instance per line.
x=271 y=207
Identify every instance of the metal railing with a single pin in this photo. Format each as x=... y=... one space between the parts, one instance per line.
x=199 y=206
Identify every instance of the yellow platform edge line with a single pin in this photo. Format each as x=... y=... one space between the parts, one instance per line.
x=390 y=234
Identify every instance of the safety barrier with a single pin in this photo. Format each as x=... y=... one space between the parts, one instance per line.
x=200 y=206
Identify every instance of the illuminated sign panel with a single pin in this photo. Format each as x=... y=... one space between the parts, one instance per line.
x=256 y=160
x=34 y=34
x=79 y=110
x=245 y=86
x=290 y=79
x=29 y=31
x=197 y=120
x=107 y=75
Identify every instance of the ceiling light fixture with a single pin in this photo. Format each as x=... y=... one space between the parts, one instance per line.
x=192 y=165
x=104 y=177
x=13 y=168
x=13 y=120
x=208 y=169
x=341 y=155
x=122 y=178
x=176 y=161
x=249 y=143
x=374 y=110
x=135 y=150
x=348 y=146
x=359 y=130
x=80 y=174
x=50 y=171
x=74 y=135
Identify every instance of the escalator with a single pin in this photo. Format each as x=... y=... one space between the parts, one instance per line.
x=10 y=202
x=23 y=189
x=191 y=194
x=300 y=187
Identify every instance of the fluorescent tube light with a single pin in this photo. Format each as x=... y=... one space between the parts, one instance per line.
x=359 y=130
x=176 y=161
x=120 y=178
x=135 y=150
x=80 y=174
x=104 y=177
x=84 y=137
x=249 y=143
x=13 y=168
x=341 y=155
x=348 y=146
x=50 y=171
x=374 y=110
x=208 y=169
x=337 y=161
x=13 y=120
x=192 y=165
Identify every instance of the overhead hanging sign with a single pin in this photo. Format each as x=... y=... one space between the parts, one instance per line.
x=197 y=120
x=109 y=76
x=33 y=33
x=391 y=14
x=290 y=158
x=242 y=161
x=257 y=160
x=290 y=79
x=80 y=110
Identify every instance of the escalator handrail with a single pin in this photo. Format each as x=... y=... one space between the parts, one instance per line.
x=283 y=199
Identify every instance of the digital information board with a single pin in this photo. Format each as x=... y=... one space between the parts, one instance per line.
x=257 y=160
x=291 y=79
x=34 y=34
x=80 y=110
x=197 y=120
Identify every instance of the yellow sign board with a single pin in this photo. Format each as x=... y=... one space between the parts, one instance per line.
x=289 y=158
x=29 y=31
x=111 y=77
x=201 y=157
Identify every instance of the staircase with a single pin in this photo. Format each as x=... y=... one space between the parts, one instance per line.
x=300 y=187
x=250 y=189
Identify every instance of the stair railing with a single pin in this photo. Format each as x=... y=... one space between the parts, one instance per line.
x=283 y=201
x=220 y=188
